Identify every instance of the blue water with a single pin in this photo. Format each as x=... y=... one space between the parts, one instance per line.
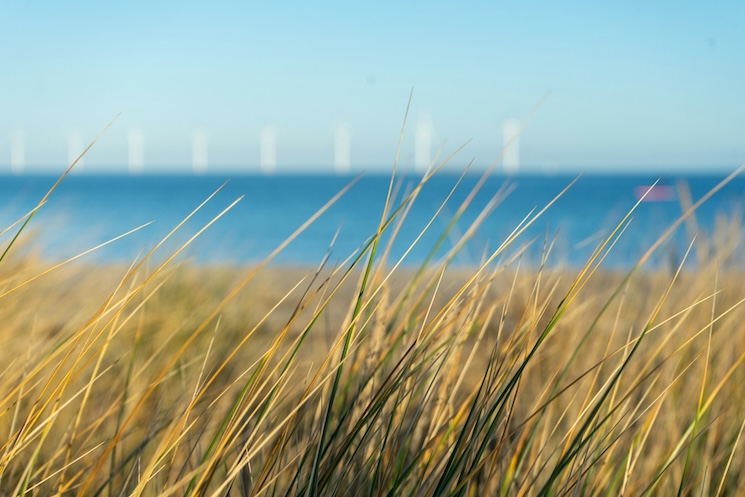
x=87 y=210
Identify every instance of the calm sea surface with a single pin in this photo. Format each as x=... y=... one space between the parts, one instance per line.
x=87 y=210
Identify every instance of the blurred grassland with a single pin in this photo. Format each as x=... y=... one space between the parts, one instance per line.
x=367 y=379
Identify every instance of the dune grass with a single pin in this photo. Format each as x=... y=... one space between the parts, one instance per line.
x=363 y=378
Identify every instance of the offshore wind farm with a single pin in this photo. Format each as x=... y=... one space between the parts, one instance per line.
x=425 y=152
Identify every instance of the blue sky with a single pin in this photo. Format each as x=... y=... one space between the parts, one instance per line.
x=631 y=86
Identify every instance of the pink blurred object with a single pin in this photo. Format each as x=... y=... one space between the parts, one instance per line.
x=657 y=193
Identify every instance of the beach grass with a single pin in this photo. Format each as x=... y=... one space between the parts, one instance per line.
x=363 y=377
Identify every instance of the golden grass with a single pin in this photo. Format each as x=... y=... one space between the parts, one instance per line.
x=368 y=379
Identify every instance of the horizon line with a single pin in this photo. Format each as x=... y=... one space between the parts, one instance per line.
x=375 y=170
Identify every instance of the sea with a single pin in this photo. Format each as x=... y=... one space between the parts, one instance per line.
x=86 y=211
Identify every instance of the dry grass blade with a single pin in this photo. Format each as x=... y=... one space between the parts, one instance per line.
x=54 y=187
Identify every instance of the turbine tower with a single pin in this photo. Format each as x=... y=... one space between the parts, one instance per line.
x=268 y=153
x=199 y=151
x=17 y=153
x=74 y=149
x=136 y=151
x=342 y=154
x=511 y=146
x=423 y=145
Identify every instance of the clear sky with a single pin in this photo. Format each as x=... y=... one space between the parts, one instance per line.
x=632 y=85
